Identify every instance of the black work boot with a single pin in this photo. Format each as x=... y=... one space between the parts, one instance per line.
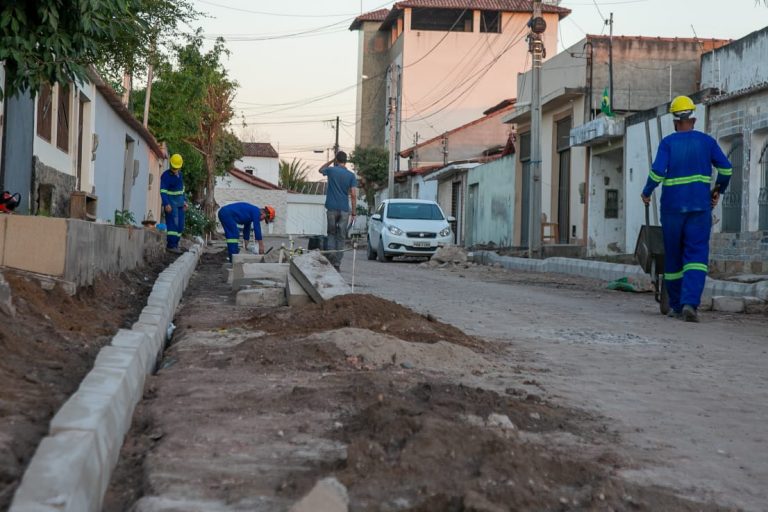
x=689 y=314
x=673 y=314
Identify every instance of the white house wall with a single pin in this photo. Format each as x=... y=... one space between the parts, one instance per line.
x=109 y=165
x=231 y=190
x=268 y=169
x=606 y=236
x=306 y=215
x=734 y=67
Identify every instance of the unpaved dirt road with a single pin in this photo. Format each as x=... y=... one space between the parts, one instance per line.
x=560 y=396
x=690 y=401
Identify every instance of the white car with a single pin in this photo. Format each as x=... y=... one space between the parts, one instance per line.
x=407 y=227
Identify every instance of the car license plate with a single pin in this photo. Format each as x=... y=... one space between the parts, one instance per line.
x=421 y=244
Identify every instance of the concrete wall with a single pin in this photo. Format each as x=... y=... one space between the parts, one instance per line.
x=739 y=65
x=115 y=184
x=231 y=190
x=305 y=215
x=606 y=235
x=461 y=58
x=490 y=209
x=73 y=250
x=372 y=62
x=51 y=190
x=267 y=169
x=17 y=148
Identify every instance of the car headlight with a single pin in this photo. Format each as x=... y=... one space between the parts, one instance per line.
x=395 y=230
x=445 y=232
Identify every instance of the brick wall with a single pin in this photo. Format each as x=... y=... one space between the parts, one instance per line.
x=739 y=252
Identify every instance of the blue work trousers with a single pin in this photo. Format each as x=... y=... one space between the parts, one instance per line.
x=686 y=248
x=174 y=222
x=231 y=232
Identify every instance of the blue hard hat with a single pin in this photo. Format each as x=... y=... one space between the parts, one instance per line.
x=161 y=227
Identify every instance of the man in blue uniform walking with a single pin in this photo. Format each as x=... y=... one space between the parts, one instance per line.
x=174 y=202
x=244 y=214
x=683 y=166
x=342 y=189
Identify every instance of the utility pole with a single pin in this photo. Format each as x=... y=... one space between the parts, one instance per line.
x=536 y=47
x=610 y=61
x=336 y=145
x=392 y=131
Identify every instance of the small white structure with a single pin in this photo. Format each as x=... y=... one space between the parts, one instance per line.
x=260 y=160
x=239 y=186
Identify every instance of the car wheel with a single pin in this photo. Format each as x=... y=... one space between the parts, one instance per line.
x=371 y=252
x=380 y=254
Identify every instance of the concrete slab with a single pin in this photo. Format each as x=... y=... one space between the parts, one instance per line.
x=247 y=258
x=156 y=334
x=753 y=304
x=728 y=304
x=114 y=383
x=149 y=318
x=139 y=341
x=65 y=473
x=318 y=278
x=262 y=297
x=295 y=294
x=243 y=274
x=157 y=310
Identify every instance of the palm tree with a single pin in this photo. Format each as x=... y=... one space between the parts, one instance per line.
x=293 y=175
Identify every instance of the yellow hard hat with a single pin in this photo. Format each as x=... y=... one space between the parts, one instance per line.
x=176 y=161
x=682 y=107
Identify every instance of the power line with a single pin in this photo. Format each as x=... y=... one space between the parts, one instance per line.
x=285 y=15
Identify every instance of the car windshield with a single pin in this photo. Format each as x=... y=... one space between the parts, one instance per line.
x=417 y=211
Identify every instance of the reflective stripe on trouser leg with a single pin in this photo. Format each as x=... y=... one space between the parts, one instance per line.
x=672 y=228
x=695 y=256
x=175 y=226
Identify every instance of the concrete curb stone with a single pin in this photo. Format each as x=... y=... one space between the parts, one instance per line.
x=72 y=466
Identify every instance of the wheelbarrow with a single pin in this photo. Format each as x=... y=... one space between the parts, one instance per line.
x=649 y=253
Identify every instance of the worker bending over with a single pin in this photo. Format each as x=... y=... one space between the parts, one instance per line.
x=244 y=214
x=683 y=166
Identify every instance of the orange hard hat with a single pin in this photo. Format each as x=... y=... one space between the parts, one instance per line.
x=269 y=214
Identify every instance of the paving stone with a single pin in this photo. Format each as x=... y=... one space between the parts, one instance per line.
x=295 y=293
x=261 y=297
x=328 y=495
x=65 y=474
x=728 y=304
x=244 y=273
x=318 y=278
x=156 y=334
x=125 y=359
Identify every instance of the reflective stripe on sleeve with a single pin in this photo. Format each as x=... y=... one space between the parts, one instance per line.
x=724 y=172
x=655 y=177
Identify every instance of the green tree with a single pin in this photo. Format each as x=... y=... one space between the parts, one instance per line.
x=49 y=41
x=372 y=165
x=191 y=109
x=293 y=175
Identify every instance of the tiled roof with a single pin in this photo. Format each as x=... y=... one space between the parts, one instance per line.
x=262 y=149
x=253 y=180
x=379 y=15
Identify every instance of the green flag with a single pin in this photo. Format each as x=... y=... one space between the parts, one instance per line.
x=605 y=105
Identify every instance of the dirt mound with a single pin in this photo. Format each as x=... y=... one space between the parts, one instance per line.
x=47 y=348
x=363 y=312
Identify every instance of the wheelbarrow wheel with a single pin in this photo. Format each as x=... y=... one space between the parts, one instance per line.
x=664 y=299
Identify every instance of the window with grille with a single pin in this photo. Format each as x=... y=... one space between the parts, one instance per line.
x=612 y=203
x=63 y=118
x=45 y=112
x=443 y=20
x=490 y=21
x=525 y=147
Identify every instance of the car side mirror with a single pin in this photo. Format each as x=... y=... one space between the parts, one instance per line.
x=451 y=218
x=376 y=216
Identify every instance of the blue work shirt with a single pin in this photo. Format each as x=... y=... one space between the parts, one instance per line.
x=245 y=214
x=340 y=181
x=683 y=166
x=172 y=189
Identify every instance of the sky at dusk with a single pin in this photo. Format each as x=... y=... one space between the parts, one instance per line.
x=296 y=61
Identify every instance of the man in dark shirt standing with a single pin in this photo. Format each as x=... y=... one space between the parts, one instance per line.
x=342 y=184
